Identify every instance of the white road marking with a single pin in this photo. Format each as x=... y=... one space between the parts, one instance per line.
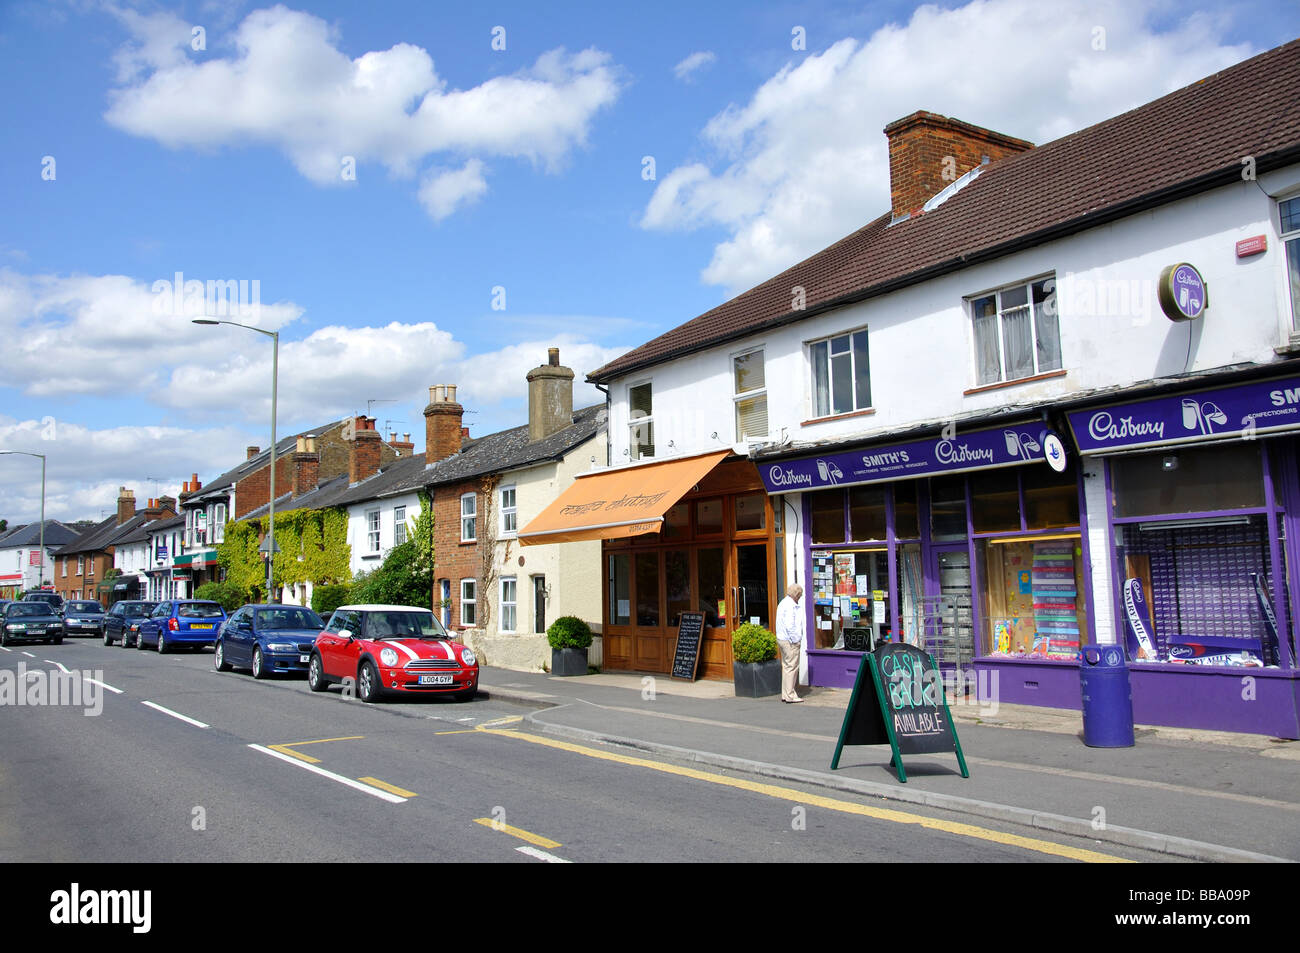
x=175 y=714
x=3 y=649
x=355 y=785
x=95 y=681
x=542 y=855
x=65 y=671
x=29 y=655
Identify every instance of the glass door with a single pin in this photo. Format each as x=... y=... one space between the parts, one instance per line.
x=949 y=632
x=751 y=590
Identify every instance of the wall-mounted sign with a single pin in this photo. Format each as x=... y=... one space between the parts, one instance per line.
x=1252 y=246
x=1054 y=452
x=1182 y=292
x=1242 y=411
x=976 y=450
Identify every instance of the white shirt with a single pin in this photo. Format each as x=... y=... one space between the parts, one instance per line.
x=789 y=621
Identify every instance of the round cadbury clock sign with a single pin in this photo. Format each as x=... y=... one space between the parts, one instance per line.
x=1182 y=292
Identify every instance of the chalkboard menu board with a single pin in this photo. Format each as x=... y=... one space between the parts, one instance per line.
x=898 y=700
x=686 y=656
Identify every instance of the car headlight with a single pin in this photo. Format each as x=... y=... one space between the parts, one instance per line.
x=468 y=657
x=280 y=646
x=17 y=627
x=388 y=657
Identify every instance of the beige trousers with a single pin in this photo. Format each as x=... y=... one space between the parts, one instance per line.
x=789 y=669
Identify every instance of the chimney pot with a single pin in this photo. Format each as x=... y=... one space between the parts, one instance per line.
x=553 y=356
x=442 y=423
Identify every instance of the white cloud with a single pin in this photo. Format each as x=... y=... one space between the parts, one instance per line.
x=805 y=161
x=289 y=85
x=696 y=61
x=443 y=191
x=85 y=467
x=498 y=376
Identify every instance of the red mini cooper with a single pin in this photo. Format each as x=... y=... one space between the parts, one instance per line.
x=391 y=649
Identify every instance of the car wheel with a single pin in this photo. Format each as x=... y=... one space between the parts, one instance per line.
x=108 y=639
x=258 y=670
x=139 y=641
x=369 y=687
x=125 y=643
x=219 y=659
x=4 y=638
x=59 y=640
x=316 y=675
x=162 y=644
x=467 y=696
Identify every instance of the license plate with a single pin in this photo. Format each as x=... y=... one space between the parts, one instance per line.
x=436 y=679
x=304 y=658
x=203 y=625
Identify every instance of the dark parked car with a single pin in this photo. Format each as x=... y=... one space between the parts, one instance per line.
x=192 y=623
x=49 y=596
x=267 y=639
x=83 y=617
x=123 y=621
x=30 y=621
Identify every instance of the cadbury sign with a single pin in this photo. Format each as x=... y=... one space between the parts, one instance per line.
x=1242 y=411
x=977 y=450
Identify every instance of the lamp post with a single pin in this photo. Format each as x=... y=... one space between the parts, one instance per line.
x=275 y=376
x=27 y=453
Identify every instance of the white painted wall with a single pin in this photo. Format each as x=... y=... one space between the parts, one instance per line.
x=15 y=560
x=362 y=559
x=922 y=343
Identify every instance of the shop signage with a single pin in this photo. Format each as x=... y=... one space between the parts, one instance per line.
x=34 y=558
x=898 y=700
x=1054 y=452
x=1140 y=643
x=977 y=450
x=686 y=656
x=1181 y=292
x=1252 y=246
x=1269 y=644
x=1244 y=411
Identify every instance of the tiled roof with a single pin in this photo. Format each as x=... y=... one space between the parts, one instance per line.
x=56 y=534
x=93 y=539
x=510 y=449
x=1189 y=141
x=327 y=494
x=283 y=446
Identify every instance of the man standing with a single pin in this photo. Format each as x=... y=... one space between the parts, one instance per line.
x=789 y=636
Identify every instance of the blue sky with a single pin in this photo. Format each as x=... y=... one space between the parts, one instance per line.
x=130 y=155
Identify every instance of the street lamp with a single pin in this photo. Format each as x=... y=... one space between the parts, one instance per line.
x=28 y=453
x=275 y=376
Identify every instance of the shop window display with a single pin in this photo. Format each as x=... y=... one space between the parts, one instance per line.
x=849 y=598
x=1034 y=597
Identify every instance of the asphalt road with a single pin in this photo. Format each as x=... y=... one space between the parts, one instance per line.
x=187 y=764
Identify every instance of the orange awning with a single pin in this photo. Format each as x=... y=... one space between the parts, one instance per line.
x=616 y=503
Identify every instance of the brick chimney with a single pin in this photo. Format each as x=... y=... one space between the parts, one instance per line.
x=442 y=423
x=306 y=466
x=363 y=449
x=550 y=397
x=150 y=512
x=125 y=505
x=403 y=447
x=252 y=452
x=166 y=503
x=928 y=152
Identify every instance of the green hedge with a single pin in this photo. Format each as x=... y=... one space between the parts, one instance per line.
x=753 y=643
x=325 y=599
x=227 y=594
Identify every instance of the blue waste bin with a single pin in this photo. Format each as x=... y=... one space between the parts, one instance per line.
x=1107 y=698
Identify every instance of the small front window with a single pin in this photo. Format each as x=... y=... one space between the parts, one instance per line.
x=841 y=374
x=641 y=428
x=372 y=531
x=468 y=602
x=509 y=604
x=750 y=396
x=1017 y=334
x=399 y=525
x=468 y=513
x=1290 y=215
x=508 y=512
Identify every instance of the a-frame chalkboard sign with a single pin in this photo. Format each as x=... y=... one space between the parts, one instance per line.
x=686 y=653
x=898 y=700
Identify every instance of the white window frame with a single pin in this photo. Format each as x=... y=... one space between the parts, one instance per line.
x=1291 y=260
x=469 y=519
x=471 y=600
x=373 y=532
x=816 y=412
x=81 y=565
x=996 y=293
x=738 y=396
x=512 y=605
x=509 y=514
x=634 y=424
x=399 y=525
x=65 y=567
x=219 y=523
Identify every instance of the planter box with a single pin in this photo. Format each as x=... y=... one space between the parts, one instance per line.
x=568 y=661
x=757 y=679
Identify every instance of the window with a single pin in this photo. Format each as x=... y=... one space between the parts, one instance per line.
x=90 y=570
x=81 y=565
x=750 y=395
x=65 y=567
x=468 y=602
x=1016 y=332
x=372 y=531
x=468 y=510
x=641 y=429
x=841 y=374
x=219 y=523
x=189 y=525
x=1290 y=215
x=509 y=604
x=399 y=525
x=508 y=512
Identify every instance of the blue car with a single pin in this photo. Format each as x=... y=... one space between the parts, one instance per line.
x=124 y=620
x=267 y=639
x=192 y=623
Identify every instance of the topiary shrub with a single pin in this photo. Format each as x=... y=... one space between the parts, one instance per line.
x=325 y=599
x=753 y=643
x=569 y=632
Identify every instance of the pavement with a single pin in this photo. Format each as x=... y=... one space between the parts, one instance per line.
x=1190 y=794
